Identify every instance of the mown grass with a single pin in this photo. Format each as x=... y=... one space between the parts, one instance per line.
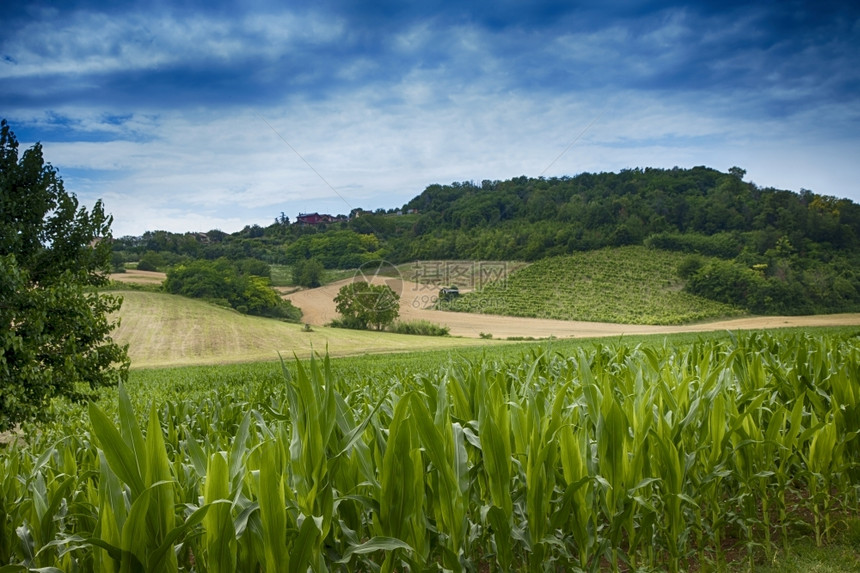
x=628 y=285
x=169 y=330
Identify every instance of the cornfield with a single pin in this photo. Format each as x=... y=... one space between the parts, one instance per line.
x=605 y=457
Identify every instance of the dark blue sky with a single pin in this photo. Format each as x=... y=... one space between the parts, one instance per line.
x=202 y=115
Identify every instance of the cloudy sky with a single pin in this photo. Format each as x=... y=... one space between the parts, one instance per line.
x=205 y=115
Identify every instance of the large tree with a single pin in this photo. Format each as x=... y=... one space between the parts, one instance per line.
x=54 y=324
x=364 y=305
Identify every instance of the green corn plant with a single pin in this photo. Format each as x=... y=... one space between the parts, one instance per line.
x=112 y=515
x=670 y=466
x=713 y=455
x=639 y=404
x=541 y=469
x=845 y=406
x=149 y=530
x=443 y=443
x=578 y=500
x=218 y=528
x=494 y=429
x=313 y=416
x=821 y=458
x=273 y=508
x=401 y=489
x=611 y=437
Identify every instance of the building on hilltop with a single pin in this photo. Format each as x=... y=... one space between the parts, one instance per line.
x=313 y=219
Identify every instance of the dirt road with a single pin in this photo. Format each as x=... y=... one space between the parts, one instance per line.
x=415 y=299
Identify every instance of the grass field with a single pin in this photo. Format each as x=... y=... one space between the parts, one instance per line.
x=628 y=285
x=169 y=330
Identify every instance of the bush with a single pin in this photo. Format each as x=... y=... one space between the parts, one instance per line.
x=254 y=267
x=727 y=282
x=723 y=245
x=350 y=322
x=308 y=273
x=221 y=280
x=419 y=327
x=117 y=263
x=150 y=261
x=689 y=266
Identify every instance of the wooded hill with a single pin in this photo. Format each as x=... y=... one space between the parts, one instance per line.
x=780 y=251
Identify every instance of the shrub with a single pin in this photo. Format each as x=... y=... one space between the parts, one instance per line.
x=308 y=273
x=723 y=245
x=689 y=266
x=348 y=322
x=150 y=261
x=222 y=280
x=419 y=327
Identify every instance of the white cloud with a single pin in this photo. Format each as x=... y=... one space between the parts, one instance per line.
x=201 y=171
x=86 y=43
x=436 y=102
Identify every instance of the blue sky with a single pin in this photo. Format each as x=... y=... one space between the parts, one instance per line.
x=207 y=115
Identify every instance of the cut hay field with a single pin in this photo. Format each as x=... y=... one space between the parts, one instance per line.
x=169 y=330
x=134 y=276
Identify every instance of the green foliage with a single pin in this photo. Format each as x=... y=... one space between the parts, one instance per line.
x=308 y=273
x=223 y=280
x=336 y=249
x=364 y=305
x=117 y=262
x=419 y=327
x=54 y=327
x=723 y=453
x=689 y=266
x=779 y=287
x=253 y=267
x=629 y=285
x=151 y=261
x=725 y=245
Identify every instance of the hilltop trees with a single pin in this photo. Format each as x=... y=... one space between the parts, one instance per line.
x=54 y=326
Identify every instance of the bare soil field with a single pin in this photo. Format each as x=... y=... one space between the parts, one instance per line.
x=139 y=277
x=416 y=299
